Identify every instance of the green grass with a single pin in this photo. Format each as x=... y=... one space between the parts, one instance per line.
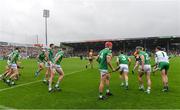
x=80 y=90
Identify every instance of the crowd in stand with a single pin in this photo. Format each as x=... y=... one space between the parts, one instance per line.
x=116 y=52
x=31 y=52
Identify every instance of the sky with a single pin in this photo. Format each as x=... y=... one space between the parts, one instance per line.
x=21 y=21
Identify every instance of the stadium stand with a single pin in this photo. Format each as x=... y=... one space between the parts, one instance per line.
x=170 y=43
x=79 y=49
x=27 y=50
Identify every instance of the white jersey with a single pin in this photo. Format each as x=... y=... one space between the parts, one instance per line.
x=161 y=56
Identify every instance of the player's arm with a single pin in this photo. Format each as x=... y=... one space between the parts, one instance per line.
x=62 y=56
x=156 y=58
x=108 y=59
x=37 y=57
x=97 y=58
x=117 y=61
x=47 y=57
x=142 y=62
x=129 y=59
x=57 y=59
x=156 y=61
x=13 y=57
x=93 y=56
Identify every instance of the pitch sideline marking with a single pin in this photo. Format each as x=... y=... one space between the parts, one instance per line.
x=20 y=85
x=4 y=107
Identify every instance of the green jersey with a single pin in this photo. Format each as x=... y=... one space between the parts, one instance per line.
x=41 y=57
x=14 y=57
x=102 y=58
x=60 y=54
x=146 y=57
x=10 y=56
x=123 y=59
x=50 y=55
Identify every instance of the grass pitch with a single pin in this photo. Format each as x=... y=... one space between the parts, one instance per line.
x=80 y=89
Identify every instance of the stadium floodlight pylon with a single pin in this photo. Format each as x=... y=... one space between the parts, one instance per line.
x=46 y=15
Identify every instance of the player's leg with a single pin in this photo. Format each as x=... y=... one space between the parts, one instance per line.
x=13 y=76
x=88 y=63
x=167 y=87
x=14 y=73
x=46 y=77
x=52 y=73
x=40 y=68
x=108 y=93
x=47 y=74
x=148 y=78
x=125 y=73
x=8 y=79
x=166 y=72
x=101 y=85
x=9 y=73
x=6 y=73
x=60 y=78
x=91 y=62
x=121 y=77
x=164 y=68
x=140 y=74
x=147 y=70
x=8 y=67
x=141 y=84
x=164 y=80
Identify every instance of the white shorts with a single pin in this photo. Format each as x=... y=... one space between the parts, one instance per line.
x=57 y=66
x=14 y=66
x=103 y=72
x=49 y=65
x=123 y=68
x=147 y=68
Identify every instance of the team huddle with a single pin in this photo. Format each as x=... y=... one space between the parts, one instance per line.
x=123 y=63
x=51 y=60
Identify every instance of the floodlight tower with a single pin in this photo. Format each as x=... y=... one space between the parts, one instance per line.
x=46 y=15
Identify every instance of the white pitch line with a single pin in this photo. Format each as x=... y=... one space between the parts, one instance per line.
x=5 y=108
x=20 y=85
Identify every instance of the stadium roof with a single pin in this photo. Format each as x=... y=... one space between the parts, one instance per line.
x=121 y=39
x=149 y=43
x=15 y=44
